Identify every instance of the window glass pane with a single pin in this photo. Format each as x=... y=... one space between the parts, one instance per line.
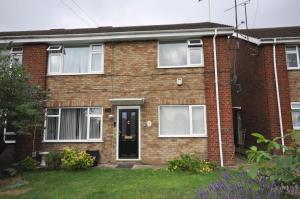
x=96 y=47
x=17 y=59
x=198 y=120
x=296 y=105
x=291 y=60
x=11 y=127
x=52 y=128
x=76 y=60
x=96 y=62
x=95 y=127
x=95 y=111
x=291 y=48
x=172 y=54
x=195 y=55
x=296 y=118
x=52 y=111
x=73 y=124
x=174 y=120
x=55 y=61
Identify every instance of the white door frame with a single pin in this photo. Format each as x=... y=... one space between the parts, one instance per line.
x=139 y=133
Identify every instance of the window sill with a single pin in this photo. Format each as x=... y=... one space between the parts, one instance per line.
x=72 y=141
x=186 y=66
x=72 y=74
x=298 y=68
x=182 y=136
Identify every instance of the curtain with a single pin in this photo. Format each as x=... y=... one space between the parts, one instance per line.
x=195 y=55
x=198 y=120
x=174 y=120
x=73 y=124
x=96 y=62
x=52 y=128
x=172 y=54
x=95 y=124
x=76 y=60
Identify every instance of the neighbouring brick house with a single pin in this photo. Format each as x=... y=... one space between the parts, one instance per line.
x=266 y=94
x=141 y=93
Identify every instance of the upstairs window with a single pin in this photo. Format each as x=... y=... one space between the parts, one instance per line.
x=295 y=106
x=292 y=57
x=75 y=59
x=181 y=54
x=16 y=56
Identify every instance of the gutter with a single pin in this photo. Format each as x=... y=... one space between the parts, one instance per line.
x=114 y=35
x=277 y=92
x=217 y=97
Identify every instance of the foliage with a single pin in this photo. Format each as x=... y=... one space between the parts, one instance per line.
x=28 y=164
x=74 y=159
x=21 y=102
x=53 y=160
x=192 y=163
x=283 y=169
x=239 y=187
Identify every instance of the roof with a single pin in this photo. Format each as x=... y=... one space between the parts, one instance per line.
x=259 y=33
x=108 y=29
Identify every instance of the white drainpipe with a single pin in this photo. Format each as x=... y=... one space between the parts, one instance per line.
x=277 y=92
x=217 y=98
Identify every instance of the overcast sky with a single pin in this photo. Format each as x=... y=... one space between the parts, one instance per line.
x=51 y=14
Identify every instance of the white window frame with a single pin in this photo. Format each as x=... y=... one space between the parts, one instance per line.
x=88 y=125
x=292 y=52
x=188 y=65
x=298 y=109
x=190 y=122
x=5 y=133
x=55 y=53
x=14 y=52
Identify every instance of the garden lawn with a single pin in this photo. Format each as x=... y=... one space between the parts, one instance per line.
x=112 y=183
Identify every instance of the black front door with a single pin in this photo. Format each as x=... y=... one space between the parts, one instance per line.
x=128 y=133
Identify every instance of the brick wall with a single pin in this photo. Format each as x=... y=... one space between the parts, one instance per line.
x=35 y=60
x=257 y=96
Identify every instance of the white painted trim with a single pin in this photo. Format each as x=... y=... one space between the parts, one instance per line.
x=237 y=107
x=142 y=35
x=188 y=65
x=217 y=98
x=277 y=93
x=191 y=135
x=139 y=133
x=88 y=125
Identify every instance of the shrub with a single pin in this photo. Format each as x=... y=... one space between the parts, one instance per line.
x=281 y=169
x=28 y=164
x=192 y=163
x=74 y=159
x=239 y=187
x=53 y=160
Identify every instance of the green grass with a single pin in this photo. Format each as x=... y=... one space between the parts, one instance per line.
x=113 y=183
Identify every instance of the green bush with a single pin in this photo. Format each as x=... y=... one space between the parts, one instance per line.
x=74 y=159
x=28 y=164
x=190 y=162
x=53 y=160
x=281 y=169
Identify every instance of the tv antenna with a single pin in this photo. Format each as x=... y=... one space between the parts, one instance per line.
x=245 y=10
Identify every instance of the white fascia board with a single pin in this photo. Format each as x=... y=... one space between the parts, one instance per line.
x=279 y=40
x=136 y=35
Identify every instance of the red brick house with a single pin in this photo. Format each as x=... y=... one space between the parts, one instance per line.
x=266 y=96
x=143 y=93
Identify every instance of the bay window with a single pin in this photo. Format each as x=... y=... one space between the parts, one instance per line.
x=83 y=59
x=182 y=121
x=73 y=124
x=295 y=107
x=180 y=53
x=292 y=57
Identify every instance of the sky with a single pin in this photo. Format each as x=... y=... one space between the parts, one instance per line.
x=55 y=14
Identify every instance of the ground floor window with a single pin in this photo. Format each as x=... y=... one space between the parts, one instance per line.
x=182 y=121
x=73 y=124
x=295 y=106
